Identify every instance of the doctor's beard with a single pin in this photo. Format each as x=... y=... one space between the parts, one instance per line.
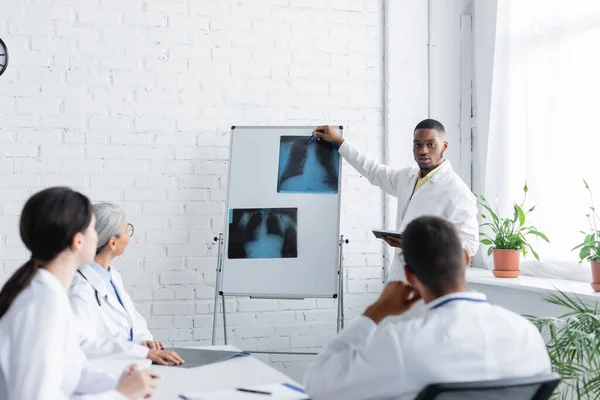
x=439 y=161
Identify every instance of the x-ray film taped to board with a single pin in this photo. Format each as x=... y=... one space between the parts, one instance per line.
x=307 y=166
x=263 y=233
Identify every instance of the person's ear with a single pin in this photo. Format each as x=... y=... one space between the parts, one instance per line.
x=77 y=242
x=467 y=258
x=112 y=243
x=445 y=146
x=411 y=278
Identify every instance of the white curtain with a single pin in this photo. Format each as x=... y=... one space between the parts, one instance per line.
x=545 y=125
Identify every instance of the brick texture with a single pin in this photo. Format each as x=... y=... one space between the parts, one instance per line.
x=132 y=102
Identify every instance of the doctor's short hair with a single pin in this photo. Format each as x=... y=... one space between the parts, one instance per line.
x=433 y=251
x=109 y=222
x=431 y=124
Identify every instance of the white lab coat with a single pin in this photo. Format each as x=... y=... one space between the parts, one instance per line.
x=40 y=357
x=444 y=195
x=104 y=329
x=464 y=339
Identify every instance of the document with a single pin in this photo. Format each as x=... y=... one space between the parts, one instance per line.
x=117 y=366
x=276 y=391
x=198 y=357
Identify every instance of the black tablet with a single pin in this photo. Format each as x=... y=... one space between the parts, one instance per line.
x=381 y=234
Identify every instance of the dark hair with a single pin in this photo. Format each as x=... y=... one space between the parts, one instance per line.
x=433 y=251
x=49 y=221
x=431 y=124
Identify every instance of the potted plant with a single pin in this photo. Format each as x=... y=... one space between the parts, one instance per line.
x=589 y=250
x=573 y=344
x=508 y=237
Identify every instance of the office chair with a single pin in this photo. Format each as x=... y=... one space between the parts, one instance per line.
x=533 y=388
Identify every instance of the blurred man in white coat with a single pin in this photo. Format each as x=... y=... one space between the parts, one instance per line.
x=429 y=188
x=459 y=338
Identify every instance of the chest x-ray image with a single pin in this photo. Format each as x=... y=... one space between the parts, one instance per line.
x=263 y=233
x=307 y=166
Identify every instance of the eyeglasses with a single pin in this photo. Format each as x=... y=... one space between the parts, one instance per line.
x=130 y=230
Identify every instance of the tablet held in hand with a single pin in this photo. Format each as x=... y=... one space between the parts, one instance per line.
x=380 y=234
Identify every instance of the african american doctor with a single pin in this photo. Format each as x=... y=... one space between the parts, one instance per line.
x=429 y=188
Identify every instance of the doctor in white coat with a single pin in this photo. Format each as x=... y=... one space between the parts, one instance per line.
x=429 y=188
x=460 y=337
x=40 y=357
x=109 y=323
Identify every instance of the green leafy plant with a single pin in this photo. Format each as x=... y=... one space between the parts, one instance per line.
x=573 y=344
x=509 y=233
x=590 y=248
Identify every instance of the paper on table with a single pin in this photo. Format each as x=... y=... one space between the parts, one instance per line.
x=278 y=391
x=199 y=357
x=116 y=366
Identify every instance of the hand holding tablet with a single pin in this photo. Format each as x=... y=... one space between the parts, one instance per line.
x=392 y=238
x=380 y=234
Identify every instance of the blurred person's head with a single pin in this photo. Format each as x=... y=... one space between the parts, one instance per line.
x=434 y=257
x=57 y=227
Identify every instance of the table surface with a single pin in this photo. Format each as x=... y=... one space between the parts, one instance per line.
x=239 y=371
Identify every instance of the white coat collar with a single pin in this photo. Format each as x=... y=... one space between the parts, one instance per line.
x=50 y=280
x=466 y=296
x=93 y=279
x=99 y=284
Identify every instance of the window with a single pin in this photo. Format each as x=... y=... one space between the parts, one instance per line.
x=545 y=108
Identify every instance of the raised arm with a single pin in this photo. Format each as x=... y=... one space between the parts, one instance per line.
x=383 y=176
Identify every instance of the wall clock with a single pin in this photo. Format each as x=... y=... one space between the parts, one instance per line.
x=3 y=56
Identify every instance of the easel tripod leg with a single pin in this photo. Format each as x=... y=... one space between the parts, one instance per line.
x=217 y=287
x=224 y=320
x=340 y=319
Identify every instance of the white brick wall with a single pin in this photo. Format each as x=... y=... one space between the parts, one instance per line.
x=132 y=102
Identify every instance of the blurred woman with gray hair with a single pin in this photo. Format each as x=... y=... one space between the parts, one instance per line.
x=109 y=322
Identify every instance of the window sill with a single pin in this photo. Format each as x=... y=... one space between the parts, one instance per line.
x=544 y=286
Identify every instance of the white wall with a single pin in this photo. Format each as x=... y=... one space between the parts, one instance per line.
x=415 y=91
x=406 y=90
x=445 y=71
x=422 y=80
x=132 y=102
x=484 y=39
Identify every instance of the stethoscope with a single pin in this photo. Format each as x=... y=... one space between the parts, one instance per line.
x=443 y=303
x=108 y=325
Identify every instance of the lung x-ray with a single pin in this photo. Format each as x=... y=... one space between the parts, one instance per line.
x=307 y=166
x=263 y=233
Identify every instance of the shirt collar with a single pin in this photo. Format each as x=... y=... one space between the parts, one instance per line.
x=432 y=173
x=103 y=273
x=468 y=296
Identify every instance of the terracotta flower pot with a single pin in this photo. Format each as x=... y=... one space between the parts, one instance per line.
x=595 y=275
x=506 y=263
